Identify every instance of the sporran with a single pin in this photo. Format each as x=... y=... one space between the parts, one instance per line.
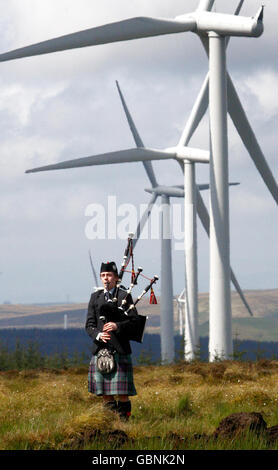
x=105 y=361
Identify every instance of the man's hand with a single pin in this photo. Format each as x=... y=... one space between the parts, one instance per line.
x=110 y=326
x=105 y=337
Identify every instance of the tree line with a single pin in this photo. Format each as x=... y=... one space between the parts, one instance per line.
x=30 y=357
x=58 y=348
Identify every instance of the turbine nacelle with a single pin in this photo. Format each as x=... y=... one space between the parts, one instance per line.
x=170 y=191
x=226 y=25
x=177 y=190
x=189 y=153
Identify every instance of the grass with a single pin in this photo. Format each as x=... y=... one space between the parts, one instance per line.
x=177 y=407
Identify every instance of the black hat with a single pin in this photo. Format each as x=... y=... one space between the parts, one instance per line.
x=109 y=267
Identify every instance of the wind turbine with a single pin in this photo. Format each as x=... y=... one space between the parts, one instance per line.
x=166 y=278
x=214 y=28
x=177 y=191
x=181 y=305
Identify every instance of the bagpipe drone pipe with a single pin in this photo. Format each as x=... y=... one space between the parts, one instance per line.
x=125 y=310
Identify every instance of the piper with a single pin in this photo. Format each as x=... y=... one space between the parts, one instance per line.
x=112 y=322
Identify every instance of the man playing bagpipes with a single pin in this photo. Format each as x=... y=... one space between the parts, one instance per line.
x=112 y=322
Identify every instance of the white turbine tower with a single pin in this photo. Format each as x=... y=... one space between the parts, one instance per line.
x=181 y=306
x=213 y=28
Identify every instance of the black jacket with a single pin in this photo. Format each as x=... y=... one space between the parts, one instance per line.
x=126 y=324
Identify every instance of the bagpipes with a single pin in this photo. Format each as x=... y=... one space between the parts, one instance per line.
x=124 y=308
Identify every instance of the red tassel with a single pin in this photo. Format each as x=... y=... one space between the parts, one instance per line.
x=132 y=276
x=152 y=297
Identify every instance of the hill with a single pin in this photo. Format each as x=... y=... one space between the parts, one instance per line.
x=262 y=327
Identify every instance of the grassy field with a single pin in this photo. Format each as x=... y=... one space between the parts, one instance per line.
x=177 y=407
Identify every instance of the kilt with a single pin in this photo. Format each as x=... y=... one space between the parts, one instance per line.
x=117 y=382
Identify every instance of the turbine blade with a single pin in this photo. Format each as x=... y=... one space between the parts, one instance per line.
x=205 y=219
x=202 y=187
x=240 y=293
x=135 y=133
x=122 y=156
x=133 y=28
x=238 y=8
x=205 y=5
x=138 y=141
x=202 y=211
x=144 y=219
x=93 y=269
x=197 y=113
x=246 y=133
x=248 y=137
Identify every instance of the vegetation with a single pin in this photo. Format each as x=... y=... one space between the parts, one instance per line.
x=29 y=356
x=74 y=343
x=177 y=407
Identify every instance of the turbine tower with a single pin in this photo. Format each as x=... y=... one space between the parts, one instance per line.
x=65 y=321
x=181 y=306
x=213 y=28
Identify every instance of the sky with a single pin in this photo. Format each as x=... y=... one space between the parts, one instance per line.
x=65 y=105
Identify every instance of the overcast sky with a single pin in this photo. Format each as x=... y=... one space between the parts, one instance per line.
x=65 y=105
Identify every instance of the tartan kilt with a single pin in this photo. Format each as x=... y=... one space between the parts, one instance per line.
x=117 y=382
